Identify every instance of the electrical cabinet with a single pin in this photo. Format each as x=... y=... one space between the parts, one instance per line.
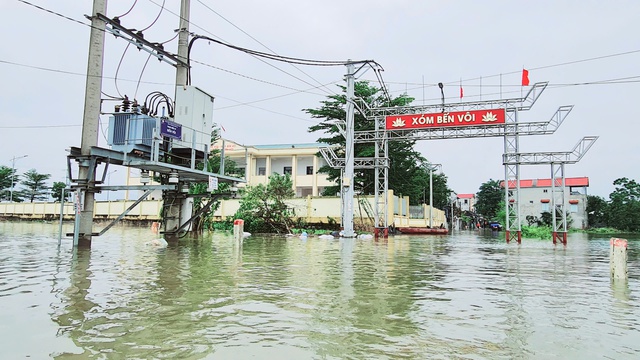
x=194 y=111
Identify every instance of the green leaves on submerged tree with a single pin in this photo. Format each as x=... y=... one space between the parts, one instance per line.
x=407 y=173
x=263 y=207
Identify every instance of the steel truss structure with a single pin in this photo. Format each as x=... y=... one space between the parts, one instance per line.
x=557 y=160
x=511 y=130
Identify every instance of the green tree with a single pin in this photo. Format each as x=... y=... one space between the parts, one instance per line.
x=624 y=205
x=213 y=165
x=56 y=191
x=407 y=175
x=489 y=198
x=5 y=182
x=34 y=186
x=263 y=207
x=596 y=211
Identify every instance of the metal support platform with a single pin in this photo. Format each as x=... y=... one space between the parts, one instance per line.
x=183 y=177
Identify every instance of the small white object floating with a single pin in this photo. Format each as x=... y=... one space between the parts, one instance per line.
x=326 y=236
x=158 y=242
x=303 y=235
x=365 y=236
x=246 y=234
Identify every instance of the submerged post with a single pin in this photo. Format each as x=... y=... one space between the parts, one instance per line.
x=618 y=258
x=238 y=230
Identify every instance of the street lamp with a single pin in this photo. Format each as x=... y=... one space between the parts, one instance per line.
x=431 y=167
x=13 y=170
x=109 y=182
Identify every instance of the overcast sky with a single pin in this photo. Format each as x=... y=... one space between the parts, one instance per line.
x=588 y=51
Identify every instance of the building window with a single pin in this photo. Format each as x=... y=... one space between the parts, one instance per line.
x=545 y=190
x=286 y=170
x=466 y=201
x=574 y=208
x=309 y=170
x=545 y=207
x=262 y=171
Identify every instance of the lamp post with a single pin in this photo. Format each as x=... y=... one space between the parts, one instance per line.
x=431 y=167
x=13 y=170
x=109 y=182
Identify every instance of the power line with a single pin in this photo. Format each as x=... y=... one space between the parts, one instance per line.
x=74 y=73
x=157 y=17
x=271 y=98
x=255 y=79
x=128 y=11
x=115 y=78
x=530 y=69
x=256 y=40
x=259 y=59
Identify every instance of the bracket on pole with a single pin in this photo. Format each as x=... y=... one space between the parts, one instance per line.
x=204 y=209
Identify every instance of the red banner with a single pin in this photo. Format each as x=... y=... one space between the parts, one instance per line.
x=451 y=119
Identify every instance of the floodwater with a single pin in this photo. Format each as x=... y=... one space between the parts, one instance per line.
x=464 y=296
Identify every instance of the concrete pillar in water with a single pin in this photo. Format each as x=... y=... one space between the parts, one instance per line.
x=238 y=230
x=618 y=258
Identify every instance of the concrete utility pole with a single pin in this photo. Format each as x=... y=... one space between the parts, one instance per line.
x=347 y=181
x=183 y=43
x=90 y=122
x=173 y=217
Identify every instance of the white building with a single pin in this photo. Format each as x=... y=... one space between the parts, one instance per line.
x=258 y=162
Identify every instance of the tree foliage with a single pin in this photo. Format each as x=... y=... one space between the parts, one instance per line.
x=57 y=191
x=596 y=211
x=623 y=210
x=34 y=186
x=263 y=207
x=5 y=182
x=213 y=165
x=489 y=198
x=407 y=173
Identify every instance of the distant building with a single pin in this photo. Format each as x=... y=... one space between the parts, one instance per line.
x=466 y=202
x=535 y=198
x=258 y=162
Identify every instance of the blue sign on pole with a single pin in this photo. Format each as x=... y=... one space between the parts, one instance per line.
x=171 y=129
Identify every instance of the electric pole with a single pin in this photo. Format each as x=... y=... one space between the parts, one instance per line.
x=90 y=122
x=347 y=181
x=174 y=215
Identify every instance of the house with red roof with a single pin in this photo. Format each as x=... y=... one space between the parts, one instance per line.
x=466 y=202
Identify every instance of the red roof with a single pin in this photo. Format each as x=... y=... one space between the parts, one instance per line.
x=571 y=182
x=466 y=196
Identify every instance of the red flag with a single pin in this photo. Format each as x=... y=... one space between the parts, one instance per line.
x=461 y=92
x=525 y=77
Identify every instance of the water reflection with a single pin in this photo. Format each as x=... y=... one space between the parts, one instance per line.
x=470 y=295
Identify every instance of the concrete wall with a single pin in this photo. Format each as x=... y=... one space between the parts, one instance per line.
x=311 y=209
x=146 y=210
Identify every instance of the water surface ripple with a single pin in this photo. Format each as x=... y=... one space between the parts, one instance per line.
x=467 y=296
